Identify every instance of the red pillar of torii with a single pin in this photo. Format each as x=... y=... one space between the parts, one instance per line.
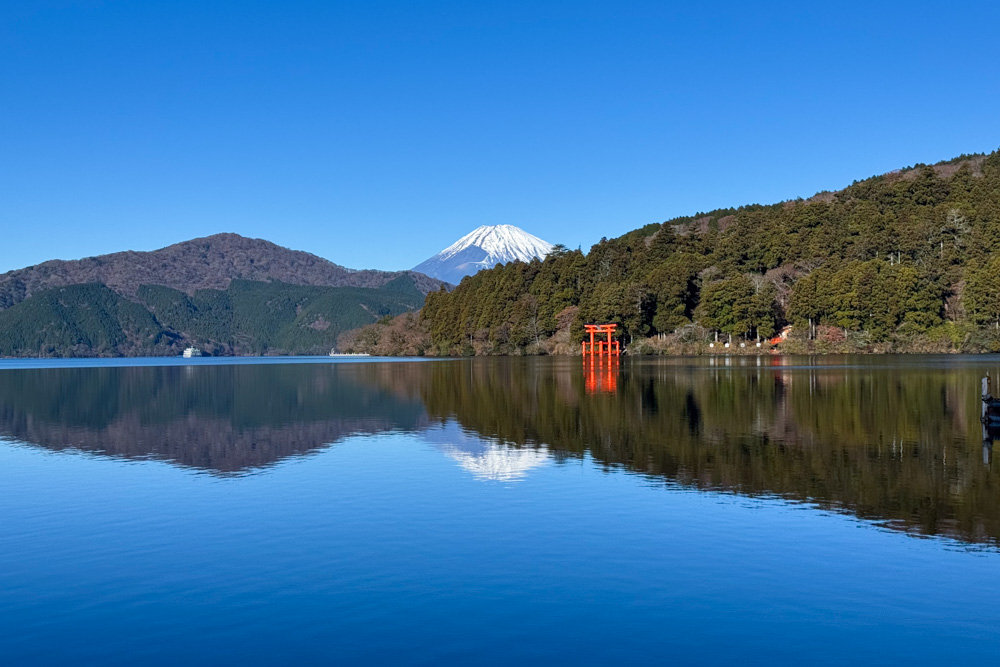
x=600 y=347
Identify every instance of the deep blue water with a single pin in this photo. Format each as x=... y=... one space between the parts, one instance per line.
x=412 y=532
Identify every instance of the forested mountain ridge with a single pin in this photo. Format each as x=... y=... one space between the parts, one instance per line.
x=211 y=262
x=248 y=317
x=904 y=261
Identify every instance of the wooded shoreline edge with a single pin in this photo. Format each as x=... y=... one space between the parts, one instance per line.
x=902 y=262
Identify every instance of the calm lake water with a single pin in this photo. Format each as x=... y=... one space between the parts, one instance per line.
x=741 y=510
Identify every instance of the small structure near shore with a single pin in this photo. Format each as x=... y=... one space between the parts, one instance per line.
x=991 y=406
x=600 y=347
x=781 y=337
x=334 y=353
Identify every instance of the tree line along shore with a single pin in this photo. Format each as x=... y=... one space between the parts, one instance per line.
x=902 y=262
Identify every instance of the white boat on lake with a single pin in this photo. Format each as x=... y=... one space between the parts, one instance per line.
x=191 y=352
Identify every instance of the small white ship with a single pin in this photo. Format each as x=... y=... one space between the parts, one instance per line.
x=191 y=352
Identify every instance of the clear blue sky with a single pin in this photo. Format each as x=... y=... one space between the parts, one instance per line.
x=376 y=133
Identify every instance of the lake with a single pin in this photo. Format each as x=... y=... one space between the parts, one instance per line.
x=756 y=510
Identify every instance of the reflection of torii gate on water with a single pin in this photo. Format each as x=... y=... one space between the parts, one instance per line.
x=600 y=378
x=594 y=353
x=600 y=347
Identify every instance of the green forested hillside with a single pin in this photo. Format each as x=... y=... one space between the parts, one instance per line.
x=246 y=318
x=907 y=260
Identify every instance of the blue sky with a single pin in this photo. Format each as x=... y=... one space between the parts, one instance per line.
x=376 y=133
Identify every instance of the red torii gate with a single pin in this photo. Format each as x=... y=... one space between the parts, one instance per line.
x=600 y=347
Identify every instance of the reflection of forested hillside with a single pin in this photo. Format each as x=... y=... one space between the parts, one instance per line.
x=220 y=418
x=897 y=445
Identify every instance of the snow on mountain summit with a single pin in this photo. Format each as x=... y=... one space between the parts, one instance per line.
x=484 y=248
x=506 y=242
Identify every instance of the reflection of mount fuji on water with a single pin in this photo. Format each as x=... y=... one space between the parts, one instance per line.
x=486 y=459
x=237 y=419
x=909 y=457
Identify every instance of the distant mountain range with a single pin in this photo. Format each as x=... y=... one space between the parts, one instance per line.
x=484 y=248
x=225 y=294
x=212 y=262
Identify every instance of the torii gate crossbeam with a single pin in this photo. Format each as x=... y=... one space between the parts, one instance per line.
x=601 y=347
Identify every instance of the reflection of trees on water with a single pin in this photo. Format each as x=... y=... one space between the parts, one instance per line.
x=224 y=419
x=899 y=444
x=893 y=444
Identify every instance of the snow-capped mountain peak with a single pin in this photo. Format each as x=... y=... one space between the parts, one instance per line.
x=506 y=242
x=484 y=248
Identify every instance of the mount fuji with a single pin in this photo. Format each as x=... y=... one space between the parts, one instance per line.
x=484 y=248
